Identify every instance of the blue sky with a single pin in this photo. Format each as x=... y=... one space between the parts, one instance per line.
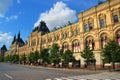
x=24 y=15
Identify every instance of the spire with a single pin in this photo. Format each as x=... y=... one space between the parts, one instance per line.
x=19 y=35
x=14 y=39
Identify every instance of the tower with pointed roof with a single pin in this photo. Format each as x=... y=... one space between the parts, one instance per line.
x=42 y=27
x=3 y=50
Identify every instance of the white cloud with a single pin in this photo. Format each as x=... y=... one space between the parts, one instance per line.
x=18 y=1
x=4 y=4
x=13 y=17
x=5 y=38
x=57 y=16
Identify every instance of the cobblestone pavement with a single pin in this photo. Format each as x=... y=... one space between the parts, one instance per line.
x=100 y=76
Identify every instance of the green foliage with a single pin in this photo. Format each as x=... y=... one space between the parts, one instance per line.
x=12 y=58
x=44 y=55
x=15 y=58
x=7 y=58
x=55 y=54
x=88 y=55
x=36 y=56
x=111 y=52
x=23 y=58
x=68 y=56
x=31 y=57
x=1 y=58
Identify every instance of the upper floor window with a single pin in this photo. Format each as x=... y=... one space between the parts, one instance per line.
x=102 y=23
x=33 y=42
x=72 y=33
x=76 y=32
x=90 y=26
x=115 y=18
x=62 y=35
x=49 y=39
x=66 y=35
x=86 y=28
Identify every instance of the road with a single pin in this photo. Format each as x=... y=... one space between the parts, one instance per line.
x=18 y=72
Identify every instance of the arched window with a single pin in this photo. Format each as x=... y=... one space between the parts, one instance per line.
x=90 y=42
x=104 y=40
x=118 y=37
x=65 y=46
x=115 y=18
x=76 y=46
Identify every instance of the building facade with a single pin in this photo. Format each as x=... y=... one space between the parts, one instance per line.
x=95 y=27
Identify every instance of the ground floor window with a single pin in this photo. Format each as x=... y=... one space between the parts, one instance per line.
x=118 y=38
x=104 y=41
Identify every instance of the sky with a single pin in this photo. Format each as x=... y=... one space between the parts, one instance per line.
x=25 y=15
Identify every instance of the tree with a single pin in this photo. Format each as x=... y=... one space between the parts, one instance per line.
x=44 y=55
x=7 y=58
x=55 y=54
x=23 y=58
x=111 y=52
x=1 y=58
x=68 y=56
x=88 y=55
x=31 y=57
x=15 y=58
x=36 y=56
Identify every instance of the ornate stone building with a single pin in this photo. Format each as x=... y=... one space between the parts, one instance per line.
x=95 y=27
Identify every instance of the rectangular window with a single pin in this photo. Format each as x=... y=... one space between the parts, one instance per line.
x=115 y=17
x=76 y=32
x=72 y=33
x=91 y=26
x=86 y=28
x=102 y=23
